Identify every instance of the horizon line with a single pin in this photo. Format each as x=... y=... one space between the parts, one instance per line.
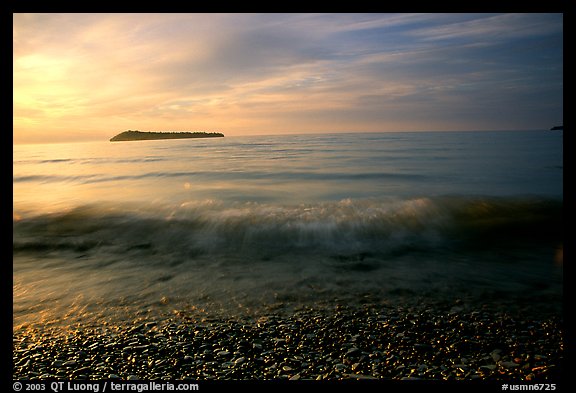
x=297 y=133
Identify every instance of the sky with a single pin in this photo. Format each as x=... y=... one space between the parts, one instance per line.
x=81 y=77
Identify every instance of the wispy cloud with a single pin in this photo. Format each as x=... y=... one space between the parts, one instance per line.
x=493 y=28
x=255 y=73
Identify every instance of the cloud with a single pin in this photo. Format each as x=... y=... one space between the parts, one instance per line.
x=270 y=72
x=492 y=28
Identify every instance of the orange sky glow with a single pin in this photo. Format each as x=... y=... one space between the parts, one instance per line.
x=80 y=77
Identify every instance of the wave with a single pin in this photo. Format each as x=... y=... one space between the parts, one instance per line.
x=347 y=229
x=89 y=161
x=219 y=175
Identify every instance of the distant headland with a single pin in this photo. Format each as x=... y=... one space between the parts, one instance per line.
x=557 y=128
x=145 y=135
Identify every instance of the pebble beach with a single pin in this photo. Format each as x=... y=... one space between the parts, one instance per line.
x=364 y=342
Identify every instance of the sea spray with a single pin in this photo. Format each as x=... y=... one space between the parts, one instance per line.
x=108 y=230
x=346 y=227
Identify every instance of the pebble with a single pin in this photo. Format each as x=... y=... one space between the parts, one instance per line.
x=508 y=364
x=309 y=344
x=359 y=376
x=82 y=370
x=490 y=367
x=94 y=346
x=353 y=352
x=496 y=355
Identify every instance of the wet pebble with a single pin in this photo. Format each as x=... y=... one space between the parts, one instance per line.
x=339 y=343
x=508 y=364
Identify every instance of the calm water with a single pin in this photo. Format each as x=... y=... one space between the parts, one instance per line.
x=236 y=223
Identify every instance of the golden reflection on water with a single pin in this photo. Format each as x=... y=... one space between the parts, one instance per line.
x=66 y=178
x=60 y=176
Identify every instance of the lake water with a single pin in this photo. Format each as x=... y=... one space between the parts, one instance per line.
x=234 y=224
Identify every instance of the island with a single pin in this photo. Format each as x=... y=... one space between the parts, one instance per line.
x=152 y=135
x=557 y=128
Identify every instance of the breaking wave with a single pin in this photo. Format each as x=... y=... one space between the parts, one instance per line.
x=266 y=231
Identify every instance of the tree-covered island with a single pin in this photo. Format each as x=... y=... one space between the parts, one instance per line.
x=151 y=135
